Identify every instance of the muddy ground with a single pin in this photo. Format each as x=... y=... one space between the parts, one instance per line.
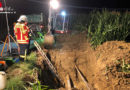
x=106 y=67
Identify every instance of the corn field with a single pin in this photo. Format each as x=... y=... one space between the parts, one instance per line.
x=103 y=25
x=107 y=26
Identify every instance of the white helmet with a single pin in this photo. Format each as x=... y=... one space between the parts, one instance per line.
x=22 y=18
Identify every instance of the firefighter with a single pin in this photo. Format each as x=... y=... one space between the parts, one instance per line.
x=21 y=31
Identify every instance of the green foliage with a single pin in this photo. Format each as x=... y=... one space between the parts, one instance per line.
x=102 y=25
x=107 y=26
x=15 y=84
x=125 y=67
x=32 y=57
x=39 y=86
x=27 y=67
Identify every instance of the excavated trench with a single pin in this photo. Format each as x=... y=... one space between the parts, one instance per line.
x=46 y=75
x=69 y=57
x=82 y=68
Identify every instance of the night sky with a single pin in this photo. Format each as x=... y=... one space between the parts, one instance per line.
x=75 y=6
x=79 y=6
x=36 y=6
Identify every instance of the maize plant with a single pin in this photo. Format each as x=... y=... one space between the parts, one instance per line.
x=107 y=26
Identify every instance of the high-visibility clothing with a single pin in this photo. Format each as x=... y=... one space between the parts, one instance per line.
x=21 y=32
x=0 y=4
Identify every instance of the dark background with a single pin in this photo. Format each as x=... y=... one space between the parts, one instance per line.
x=71 y=6
x=80 y=6
x=37 y=6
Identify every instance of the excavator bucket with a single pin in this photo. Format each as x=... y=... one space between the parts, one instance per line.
x=49 y=40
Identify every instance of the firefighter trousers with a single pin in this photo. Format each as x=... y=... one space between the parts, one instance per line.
x=23 y=51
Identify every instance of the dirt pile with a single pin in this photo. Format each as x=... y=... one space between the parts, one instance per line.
x=102 y=67
x=113 y=60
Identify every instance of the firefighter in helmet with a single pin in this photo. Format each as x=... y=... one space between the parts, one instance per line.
x=21 y=32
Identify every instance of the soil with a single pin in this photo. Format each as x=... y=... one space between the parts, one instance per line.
x=104 y=68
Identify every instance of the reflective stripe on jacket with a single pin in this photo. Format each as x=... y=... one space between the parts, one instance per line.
x=21 y=32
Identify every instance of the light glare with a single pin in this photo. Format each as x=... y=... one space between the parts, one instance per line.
x=54 y=4
x=63 y=13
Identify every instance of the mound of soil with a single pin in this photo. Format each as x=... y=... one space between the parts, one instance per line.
x=105 y=68
x=110 y=58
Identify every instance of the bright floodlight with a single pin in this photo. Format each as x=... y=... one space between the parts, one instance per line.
x=63 y=13
x=54 y=4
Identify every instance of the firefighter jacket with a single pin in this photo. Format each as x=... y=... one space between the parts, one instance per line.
x=21 y=32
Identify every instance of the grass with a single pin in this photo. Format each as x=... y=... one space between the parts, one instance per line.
x=28 y=68
x=38 y=86
x=15 y=83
